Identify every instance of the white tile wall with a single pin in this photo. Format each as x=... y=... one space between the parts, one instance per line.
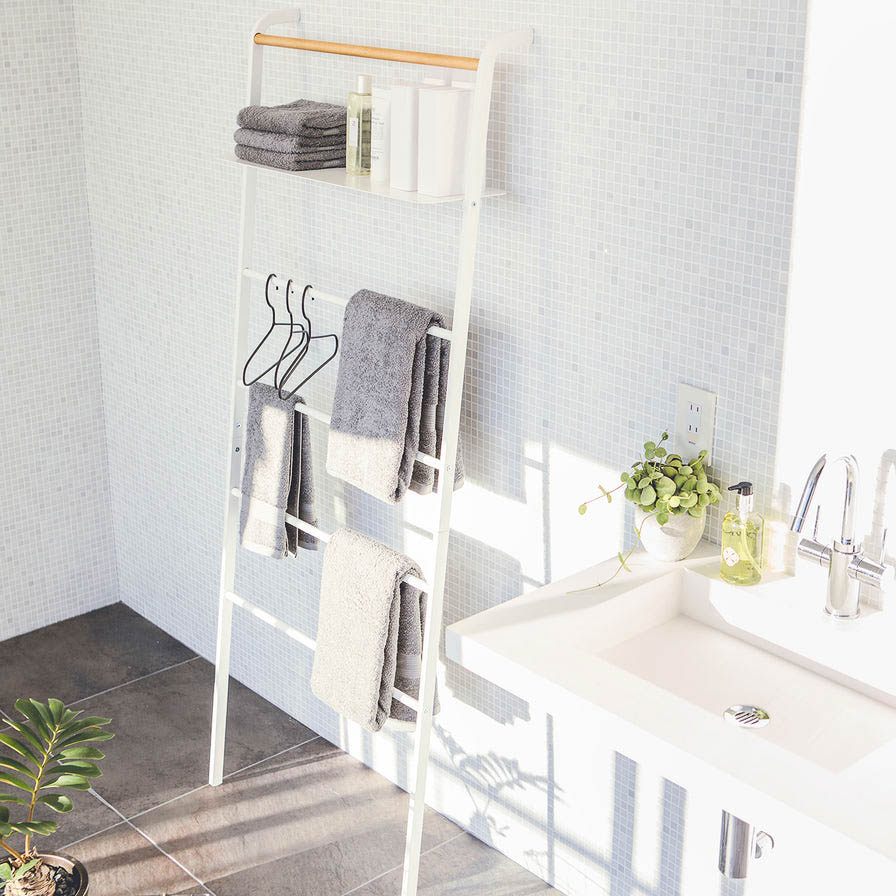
x=57 y=555
x=649 y=149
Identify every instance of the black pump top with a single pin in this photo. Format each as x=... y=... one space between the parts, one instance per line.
x=742 y=488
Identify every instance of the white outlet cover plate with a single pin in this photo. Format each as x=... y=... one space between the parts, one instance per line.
x=687 y=443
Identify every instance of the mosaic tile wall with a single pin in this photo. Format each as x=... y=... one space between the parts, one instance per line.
x=648 y=149
x=57 y=554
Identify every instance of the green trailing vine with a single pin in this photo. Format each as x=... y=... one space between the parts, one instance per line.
x=661 y=485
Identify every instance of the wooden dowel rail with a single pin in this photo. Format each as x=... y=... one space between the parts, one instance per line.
x=468 y=63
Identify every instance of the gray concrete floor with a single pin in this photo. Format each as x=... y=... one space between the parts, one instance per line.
x=295 y=815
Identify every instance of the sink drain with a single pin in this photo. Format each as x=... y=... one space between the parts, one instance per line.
x=746 y=716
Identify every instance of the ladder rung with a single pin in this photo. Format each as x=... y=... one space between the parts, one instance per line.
x=441 y=332
x=425 y=459
x=301 y=638
x=413 y=581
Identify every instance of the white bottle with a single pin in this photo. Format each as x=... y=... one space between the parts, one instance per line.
x=403 y=151
x=443 y=126
x=380 y=134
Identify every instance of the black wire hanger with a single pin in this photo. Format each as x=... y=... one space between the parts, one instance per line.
x=293 y=328
x=302 y=349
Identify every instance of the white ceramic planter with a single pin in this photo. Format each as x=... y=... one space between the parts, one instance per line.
x=674 y=541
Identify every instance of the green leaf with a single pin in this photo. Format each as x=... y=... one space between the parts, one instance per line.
x=81 y=753
x=57 y=710
x=622 y=562
x=91 y=734
x=22 y=749
x=76 y=782
x=82 y=724
x=624 y=477
x=674 y=501
x=648 y=496
x=664 y=487
x=58 y=802
x=644 y=482
x=36 y=827
x=5 y=869
x=606 y=494
x=660 y=452
x=26 y=868
x=13 y=781
x=9 y=798
x=650 y=453
x=27 y=709
x=636 y=496
x=583 y=509
x=16 y=766
x=46 y=716
x=4 y=814
x=687 y=469
x=27 y=733
x=76 y=767
x=696 y=512
x=662 y=518
x=649 y=446
x=5 y=829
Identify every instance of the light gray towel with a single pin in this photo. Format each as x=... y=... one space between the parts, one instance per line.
x=369 y=632
x=287 y=143
x=277 y=476
x=301 y=118
x=390 y=397
x=290 y=161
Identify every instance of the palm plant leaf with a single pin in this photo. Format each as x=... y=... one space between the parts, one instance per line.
x=51 y=753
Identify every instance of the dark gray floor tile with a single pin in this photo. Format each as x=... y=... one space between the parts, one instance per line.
x=120 y=862
x=163 y=726
x=463 y=866
x=313 y=821
x=84 y=655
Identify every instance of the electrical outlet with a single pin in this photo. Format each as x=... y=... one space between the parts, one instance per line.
x=694 y=421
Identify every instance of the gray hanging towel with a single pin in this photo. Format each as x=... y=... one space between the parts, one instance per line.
x=277 y=476
x=390 y=398
x=369 y=632
x=301 y=118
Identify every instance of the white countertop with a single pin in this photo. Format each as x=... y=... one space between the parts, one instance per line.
x=541 y=646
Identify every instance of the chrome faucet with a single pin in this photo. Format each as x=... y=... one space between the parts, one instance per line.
x=844 y=560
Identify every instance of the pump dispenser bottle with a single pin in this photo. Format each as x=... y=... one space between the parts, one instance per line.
x=357 y=137
x=742 y=539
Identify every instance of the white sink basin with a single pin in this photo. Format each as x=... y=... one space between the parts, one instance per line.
x=667 y=632
x=658 y=656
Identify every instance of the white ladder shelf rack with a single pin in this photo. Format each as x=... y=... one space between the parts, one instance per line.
x=474 y=193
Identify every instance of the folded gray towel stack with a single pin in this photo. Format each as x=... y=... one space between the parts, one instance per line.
x=277 y=476
x=390 y=398
x=369 y=632
x=296 y=136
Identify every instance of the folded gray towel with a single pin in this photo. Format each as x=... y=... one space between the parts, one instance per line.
x=390 y=397
x=287 y=143
x=277 y=476
x=302 y=118
x=369 y=632
x=291 y=161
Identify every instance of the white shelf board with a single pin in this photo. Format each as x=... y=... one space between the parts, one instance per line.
x=337 y=177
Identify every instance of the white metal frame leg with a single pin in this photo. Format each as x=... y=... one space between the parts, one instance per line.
x=237 y=415
x=473 y=188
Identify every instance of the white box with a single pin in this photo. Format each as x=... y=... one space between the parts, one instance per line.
x=443 y=127
x=403 y=143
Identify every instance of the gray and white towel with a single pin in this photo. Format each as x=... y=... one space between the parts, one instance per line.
x=277 y=476
x=369 y=632
x=301 y=118
x=272 y=142
x=293 y=161
x=390 y=398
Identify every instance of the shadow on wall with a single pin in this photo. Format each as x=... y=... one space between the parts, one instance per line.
x=471 y=595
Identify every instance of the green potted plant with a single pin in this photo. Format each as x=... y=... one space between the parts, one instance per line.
x=670 y=499
x=47 y=753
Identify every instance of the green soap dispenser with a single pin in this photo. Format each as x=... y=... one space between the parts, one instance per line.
x=742 y=539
